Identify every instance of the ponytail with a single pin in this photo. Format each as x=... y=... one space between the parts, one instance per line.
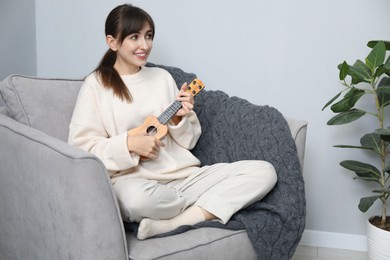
x=110 y=78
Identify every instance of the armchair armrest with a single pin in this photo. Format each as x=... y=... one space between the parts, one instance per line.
x=56 y=201
x=298 y=130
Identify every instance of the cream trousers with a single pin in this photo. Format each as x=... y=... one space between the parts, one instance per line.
x=221 y=189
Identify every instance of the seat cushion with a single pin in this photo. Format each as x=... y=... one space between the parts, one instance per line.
x=44 y=104
x=202 y=243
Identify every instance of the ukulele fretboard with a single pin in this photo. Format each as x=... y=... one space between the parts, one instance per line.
x=169 y=112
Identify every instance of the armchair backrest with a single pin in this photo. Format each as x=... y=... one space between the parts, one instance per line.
x=43 y=104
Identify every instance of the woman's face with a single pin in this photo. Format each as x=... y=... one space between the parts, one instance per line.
x=134 y=51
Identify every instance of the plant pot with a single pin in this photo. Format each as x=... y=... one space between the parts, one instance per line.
x=378 y=242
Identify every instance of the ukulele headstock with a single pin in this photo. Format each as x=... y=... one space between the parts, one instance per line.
x=195 y=86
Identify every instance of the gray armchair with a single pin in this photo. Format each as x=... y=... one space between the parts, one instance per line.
x=56 y=201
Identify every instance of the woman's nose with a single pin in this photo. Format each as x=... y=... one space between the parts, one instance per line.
x=144 y=44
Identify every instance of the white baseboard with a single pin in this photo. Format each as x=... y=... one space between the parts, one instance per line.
x=334 y=240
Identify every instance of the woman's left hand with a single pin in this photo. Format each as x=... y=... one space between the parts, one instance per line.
x=187 y=101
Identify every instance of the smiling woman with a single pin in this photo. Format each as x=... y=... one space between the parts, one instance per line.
x=159 y=183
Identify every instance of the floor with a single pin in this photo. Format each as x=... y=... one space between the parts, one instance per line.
x=320 y=253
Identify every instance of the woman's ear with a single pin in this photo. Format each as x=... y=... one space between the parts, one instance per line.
x=112 y=42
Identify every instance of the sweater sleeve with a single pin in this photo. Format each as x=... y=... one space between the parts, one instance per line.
x=87 y=132
x=187 y=132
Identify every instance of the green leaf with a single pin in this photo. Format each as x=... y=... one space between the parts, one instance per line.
x=379 y=71
x=384 y=134
x=372 y=44
x=349 y=100
x=372 y=141
x=332 y=100
x=382 y=191
x=382 y=131
x=366 y=179
x=377 y=55
x=367 y=202
x=387 y=64
x=363 y=170
x=385 y=81
x=346 y=117
x=383 y=93
x=360 y=72
x=351 y=146
x=387 y=167
x=343 y=70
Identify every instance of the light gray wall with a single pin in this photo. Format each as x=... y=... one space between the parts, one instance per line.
x=17 y=38
x=282 y=53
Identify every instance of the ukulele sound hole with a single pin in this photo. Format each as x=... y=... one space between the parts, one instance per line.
x=151 y=130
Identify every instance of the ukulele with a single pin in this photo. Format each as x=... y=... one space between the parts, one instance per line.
x=157 y=126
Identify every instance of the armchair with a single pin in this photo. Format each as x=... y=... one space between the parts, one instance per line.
x=56 y=201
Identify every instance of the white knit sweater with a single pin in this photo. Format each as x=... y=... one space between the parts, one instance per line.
x=101 y=120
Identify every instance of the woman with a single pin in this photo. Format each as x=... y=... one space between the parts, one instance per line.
x=158 y=183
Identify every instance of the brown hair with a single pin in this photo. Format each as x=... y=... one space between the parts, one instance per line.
x=122 y=21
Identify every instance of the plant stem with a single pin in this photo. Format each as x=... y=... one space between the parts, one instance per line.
x=380 y=112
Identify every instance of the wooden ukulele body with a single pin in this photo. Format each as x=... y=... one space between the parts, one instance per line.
x=151 y=126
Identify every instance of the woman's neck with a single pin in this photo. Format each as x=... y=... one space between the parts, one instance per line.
x=123 y=71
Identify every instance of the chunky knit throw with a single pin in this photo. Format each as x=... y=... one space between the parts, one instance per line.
x=234 y=129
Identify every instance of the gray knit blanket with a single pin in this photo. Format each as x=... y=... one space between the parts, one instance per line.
x=233 y=129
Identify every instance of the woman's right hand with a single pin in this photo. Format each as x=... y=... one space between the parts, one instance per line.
x=144 y=145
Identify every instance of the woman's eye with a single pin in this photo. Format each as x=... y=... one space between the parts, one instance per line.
x=133 y=37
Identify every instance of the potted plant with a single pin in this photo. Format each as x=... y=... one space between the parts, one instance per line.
x=369 y=77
